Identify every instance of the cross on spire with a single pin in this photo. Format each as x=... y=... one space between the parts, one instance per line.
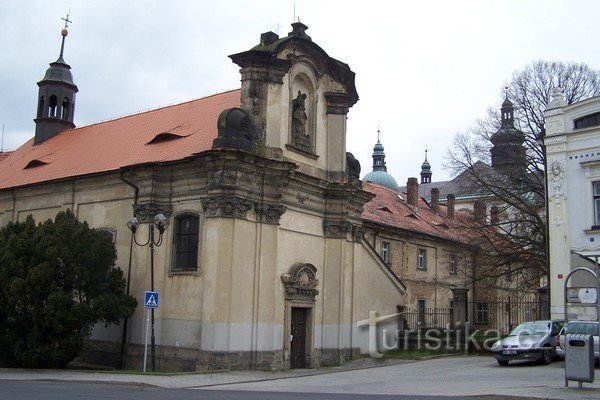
x=67 y=20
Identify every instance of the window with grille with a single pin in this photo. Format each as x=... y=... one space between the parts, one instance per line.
x=481 y=313
x=185 y=242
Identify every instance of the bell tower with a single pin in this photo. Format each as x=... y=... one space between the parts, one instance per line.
x=56 y=97
x=508 y=153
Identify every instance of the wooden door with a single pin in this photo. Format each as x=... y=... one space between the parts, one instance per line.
x=298 y=331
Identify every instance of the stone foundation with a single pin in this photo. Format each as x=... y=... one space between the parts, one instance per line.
x=169 y=358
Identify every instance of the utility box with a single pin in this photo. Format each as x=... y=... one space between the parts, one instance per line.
x=579 y=358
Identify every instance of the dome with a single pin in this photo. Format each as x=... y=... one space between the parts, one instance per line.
x=59 y=71
x=382 y=178
x=425 y=167
x=378 y=148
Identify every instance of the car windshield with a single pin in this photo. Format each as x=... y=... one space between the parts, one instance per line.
x=531 y=328
x=582 y=328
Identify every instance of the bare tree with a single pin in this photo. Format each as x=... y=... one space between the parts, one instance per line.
x=519 y=238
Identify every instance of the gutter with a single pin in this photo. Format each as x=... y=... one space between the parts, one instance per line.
x=125 y=322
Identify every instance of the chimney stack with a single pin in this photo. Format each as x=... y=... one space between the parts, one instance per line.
x=435 y=199
x=494 y=215
x=479 y=212
x=412 y=187
x=450 y=205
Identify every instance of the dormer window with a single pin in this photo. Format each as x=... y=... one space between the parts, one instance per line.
x=35 y=163
x=164 y=137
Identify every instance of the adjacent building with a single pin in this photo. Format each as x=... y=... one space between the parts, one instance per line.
x=573 y=182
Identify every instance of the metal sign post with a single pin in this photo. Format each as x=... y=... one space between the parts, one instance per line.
x=150 y=302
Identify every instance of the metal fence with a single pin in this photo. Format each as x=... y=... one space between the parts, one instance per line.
x=502 y=315
x=428 y=318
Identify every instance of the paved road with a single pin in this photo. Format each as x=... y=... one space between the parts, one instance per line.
x=19 y=390
x=458 y=377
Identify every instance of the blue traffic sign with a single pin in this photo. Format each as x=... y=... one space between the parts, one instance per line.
x=151 y=299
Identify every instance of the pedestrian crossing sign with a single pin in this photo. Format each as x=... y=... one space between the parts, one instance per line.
x=151 y=299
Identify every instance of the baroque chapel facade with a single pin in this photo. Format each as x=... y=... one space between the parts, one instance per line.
x=263 y=263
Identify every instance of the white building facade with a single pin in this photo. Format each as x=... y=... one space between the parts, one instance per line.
x=573 y=202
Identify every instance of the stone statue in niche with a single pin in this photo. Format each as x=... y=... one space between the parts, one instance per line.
x=299 y=114
x=300 y=137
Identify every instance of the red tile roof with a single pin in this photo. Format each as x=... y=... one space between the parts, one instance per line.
x=4 y=154
x=110 y=145
x=387 y=208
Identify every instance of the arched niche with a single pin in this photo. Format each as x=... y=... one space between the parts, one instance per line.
x=303 y=109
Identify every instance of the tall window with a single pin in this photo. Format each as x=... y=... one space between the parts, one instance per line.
x=185 y=242
x=453 y=264
x=481 y=313
x=596 y=204
x=421 y=311
x=422 y=259
x=385 y=252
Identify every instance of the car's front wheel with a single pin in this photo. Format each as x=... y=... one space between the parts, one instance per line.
x=503 y=363
x=546 y=356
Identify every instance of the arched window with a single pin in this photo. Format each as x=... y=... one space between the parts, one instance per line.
x=185 y=242
x=65 y=109
x=52 y=106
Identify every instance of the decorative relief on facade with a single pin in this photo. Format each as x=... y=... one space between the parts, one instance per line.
x=358 y=233
x=337 y=229
x=557 y=177
x=222 y=177
x=269 y=213
x=147 y=212
x=250 y=180
x=231 y=207
x=301 y=282
x=256 y=96
x=554 y=127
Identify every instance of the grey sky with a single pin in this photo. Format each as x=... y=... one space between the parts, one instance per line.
x=425 y=70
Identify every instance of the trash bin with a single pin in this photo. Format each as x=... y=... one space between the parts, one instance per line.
x=579 y=358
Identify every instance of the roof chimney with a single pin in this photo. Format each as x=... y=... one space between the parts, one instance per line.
x=412 y=187
x=435 y=199
x=494 y=215
x=450 y=205
x=479 y=212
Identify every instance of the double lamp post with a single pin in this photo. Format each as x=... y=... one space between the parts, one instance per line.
x=160 y=222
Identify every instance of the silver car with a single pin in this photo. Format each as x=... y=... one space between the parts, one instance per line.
x=579 y=327
x=534 y=340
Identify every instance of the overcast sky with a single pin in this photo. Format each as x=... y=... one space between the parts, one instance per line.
x=425 y=70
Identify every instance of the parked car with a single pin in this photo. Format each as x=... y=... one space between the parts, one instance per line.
x=580 y=327
x=535 y=340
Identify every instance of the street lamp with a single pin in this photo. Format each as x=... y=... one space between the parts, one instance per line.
x=160 y=221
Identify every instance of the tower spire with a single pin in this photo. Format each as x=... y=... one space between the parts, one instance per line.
x=64 y=34
x=56 y=97
x=426 y=170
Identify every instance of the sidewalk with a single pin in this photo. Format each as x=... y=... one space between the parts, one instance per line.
x=185 y=380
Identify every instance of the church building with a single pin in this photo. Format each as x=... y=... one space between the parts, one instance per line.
x=263 y=263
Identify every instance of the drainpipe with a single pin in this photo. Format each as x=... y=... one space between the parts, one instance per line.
x=125 y=322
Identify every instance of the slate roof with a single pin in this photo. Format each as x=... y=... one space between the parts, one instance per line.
x=390 y=209
x=161 y=135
